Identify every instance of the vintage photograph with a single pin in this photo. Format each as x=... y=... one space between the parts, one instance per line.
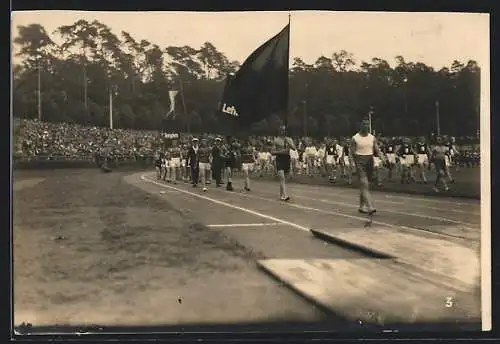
x=319 y=170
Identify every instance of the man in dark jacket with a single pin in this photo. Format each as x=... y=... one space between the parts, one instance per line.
x=193 y=160
x=217 y=161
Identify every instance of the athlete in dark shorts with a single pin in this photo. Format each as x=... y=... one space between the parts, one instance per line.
x=331 y=159
x=231 y=153
x=281 y=149
x=346 y=161
x=422 y=158
x=157 y=163
x=248 y=160
x=363 y=148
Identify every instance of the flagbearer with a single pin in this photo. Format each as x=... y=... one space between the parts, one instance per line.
x=281 y=150
x=193 y=158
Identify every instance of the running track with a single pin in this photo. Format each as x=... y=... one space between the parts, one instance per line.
x=314 y=207
x=281 y=232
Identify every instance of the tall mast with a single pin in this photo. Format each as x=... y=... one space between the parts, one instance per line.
x=288 y=71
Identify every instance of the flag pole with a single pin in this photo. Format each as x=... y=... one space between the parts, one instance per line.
x=288 y=77
x=184 y=105
x=39 y=92
x=111 y=107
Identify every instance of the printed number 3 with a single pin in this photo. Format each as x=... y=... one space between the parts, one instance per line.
x=449 y=302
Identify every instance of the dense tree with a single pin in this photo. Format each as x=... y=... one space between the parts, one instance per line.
x=326 y=97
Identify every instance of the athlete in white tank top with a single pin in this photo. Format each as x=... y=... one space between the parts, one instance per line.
x=364 y=144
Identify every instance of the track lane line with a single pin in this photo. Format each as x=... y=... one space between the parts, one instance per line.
x=378 y=200
x=302 y=207
x=386 y=194
x=228 y=205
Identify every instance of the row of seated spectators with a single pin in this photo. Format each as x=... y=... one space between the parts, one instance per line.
x=36 y=140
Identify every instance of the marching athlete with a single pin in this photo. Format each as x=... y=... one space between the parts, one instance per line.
x=377 y=165
x=390 y=153
x=230 y=151
x=406 y=156
x=423 y=153
x=309 y=157
x=158 y=162
x=175 y=163
x=185 y=168
x=363 y=148
x=450 y=158
x=263 y=160
x=320 y=159
x=438 y=157
x=218 y=161
x=193 y=161
x=294 y=161
x=247 y=163
x=346 y=160
x=204 y=163
x=331 y=160
x=281 y=150
x=165 y=166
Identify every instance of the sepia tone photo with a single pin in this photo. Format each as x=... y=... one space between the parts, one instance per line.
x=318 y=170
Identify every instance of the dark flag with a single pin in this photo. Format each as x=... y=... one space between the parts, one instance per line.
x=260 y=87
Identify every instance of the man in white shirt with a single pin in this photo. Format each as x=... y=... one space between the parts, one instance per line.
x=363 y=149
x=309 y=158
x=294 y=160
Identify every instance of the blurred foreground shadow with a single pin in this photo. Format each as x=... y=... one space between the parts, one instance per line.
x=340 y=327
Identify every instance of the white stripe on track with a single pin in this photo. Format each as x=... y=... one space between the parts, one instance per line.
x=230 y=225
x=437 y=218
x=297 y=206
x=228 y=205
x=385 y=194
x=378 y=200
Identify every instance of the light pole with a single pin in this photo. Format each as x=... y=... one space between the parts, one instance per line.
x=405 y=80
x=438 y=126
x=370 y=114
x=305 y=111
x=39 y=92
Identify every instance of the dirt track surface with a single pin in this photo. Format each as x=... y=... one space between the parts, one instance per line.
x=90 y=248
x=125 y=249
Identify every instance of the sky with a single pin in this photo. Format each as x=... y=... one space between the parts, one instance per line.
x=436 y=39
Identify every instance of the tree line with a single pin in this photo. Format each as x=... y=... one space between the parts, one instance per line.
x=328 y=97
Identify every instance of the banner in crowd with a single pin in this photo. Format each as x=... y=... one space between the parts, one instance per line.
x=172 y=95
x=260 y=87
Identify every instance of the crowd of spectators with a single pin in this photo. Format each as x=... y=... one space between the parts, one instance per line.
x=36 y=140
x=63 y=141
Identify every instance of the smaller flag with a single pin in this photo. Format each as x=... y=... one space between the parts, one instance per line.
x=172 y=95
